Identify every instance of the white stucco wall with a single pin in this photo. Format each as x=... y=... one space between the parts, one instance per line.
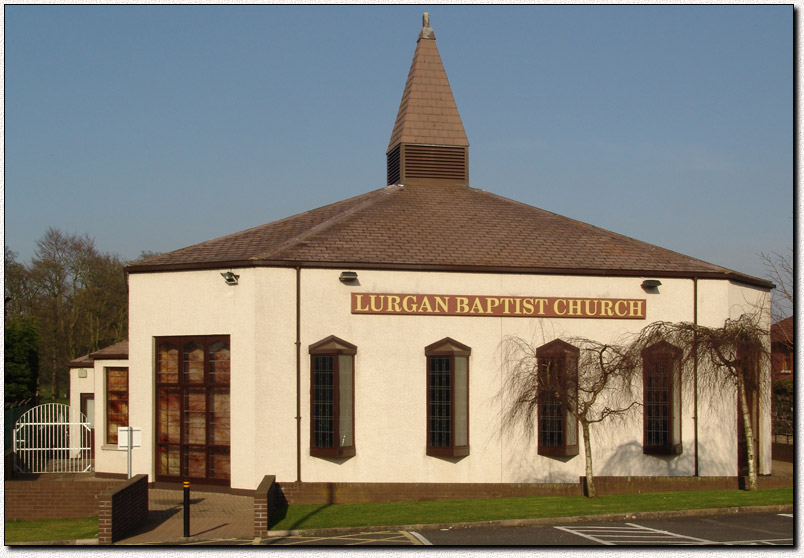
x=82 y=381
x=259 y=314
x=79 y=385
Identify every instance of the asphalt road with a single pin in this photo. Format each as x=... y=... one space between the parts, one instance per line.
x=731 y=529
x=755 y=529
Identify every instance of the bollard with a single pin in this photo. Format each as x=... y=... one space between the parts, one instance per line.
x=186 y=508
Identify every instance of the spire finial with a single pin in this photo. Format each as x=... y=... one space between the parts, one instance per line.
x=427 y=31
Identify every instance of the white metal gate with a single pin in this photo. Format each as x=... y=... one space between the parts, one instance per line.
x=53 y=438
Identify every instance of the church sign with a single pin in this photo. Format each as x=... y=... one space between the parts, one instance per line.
x=498 y=306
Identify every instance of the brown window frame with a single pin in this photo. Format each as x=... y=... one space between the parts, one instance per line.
x=183 y=386
x=121 y=397
x=332 y=347
x=447 y=348
x=670 y=356
x=546 y=355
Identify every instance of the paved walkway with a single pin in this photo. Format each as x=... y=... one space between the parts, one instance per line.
x=213 y=516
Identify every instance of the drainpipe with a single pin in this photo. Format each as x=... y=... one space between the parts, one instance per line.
x=298 y=374
x=695 y=366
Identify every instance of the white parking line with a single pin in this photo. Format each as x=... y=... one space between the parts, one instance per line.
x=632 y=534
x=420 y=538
x=761 y=542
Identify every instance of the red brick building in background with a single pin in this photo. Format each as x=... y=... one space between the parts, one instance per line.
x=782 y=345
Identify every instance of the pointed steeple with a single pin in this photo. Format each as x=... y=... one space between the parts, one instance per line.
x=428 y=141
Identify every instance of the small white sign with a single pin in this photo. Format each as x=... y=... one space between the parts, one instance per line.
x=123 y=436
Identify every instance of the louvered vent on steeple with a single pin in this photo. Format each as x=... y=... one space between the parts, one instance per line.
x=428 y=142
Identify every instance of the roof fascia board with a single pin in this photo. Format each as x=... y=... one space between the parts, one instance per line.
x=586 y=272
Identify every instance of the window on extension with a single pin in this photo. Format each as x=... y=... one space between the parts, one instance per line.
x=116 y=402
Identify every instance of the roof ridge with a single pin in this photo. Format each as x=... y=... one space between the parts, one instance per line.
x=371 y=199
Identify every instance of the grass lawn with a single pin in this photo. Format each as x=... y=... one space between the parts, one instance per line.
x=51 y=529
x=441 y=511
x=488 y=509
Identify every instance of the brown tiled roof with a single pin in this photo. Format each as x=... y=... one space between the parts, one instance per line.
x=446 y=228
x=81 y=362
x=116 y=351
x=428 y=113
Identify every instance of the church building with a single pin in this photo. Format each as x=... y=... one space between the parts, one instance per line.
x=360 y=342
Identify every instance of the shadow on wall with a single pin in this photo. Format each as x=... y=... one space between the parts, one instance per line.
x=630 y=460
x=524 y=464
x=717 y=453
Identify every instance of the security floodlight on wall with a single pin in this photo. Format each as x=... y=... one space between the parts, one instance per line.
x=651 y=284
x=348 y=276
x=229 y=277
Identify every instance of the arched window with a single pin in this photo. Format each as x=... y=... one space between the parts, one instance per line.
x=661 y=399
x=558 y=399
x=332 y=393
x=447 y=398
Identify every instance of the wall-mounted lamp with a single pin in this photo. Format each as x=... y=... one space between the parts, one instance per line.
x=229 y=277
x=348 y=276
x=651 y=284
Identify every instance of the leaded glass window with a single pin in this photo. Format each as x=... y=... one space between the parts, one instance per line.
x=557 y=399
x=332 y=398
x=661 y=391
x=447 y=398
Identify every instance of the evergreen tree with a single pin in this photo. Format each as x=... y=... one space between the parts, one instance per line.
x=21 y=360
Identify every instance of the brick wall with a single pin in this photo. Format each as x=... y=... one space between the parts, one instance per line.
x=122 y=508
x=264 y=504
x=56 y=499
x=341 y=493
x=784 y=452
x=639 y=485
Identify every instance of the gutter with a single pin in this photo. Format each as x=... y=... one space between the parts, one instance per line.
x=586 y=272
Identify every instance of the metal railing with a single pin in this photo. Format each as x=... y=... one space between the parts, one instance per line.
x=11 y=413
x=53 y=438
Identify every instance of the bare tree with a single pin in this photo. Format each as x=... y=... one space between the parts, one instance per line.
x=779 y=269
x=733 y=355
x=77 y=296
x=552 y=388
x=593 y=381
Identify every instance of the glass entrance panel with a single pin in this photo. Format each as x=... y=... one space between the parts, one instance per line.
x=193 y=409
x=169 y=409
x=195 y=417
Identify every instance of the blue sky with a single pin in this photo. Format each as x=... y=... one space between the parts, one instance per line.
x=157 y=127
